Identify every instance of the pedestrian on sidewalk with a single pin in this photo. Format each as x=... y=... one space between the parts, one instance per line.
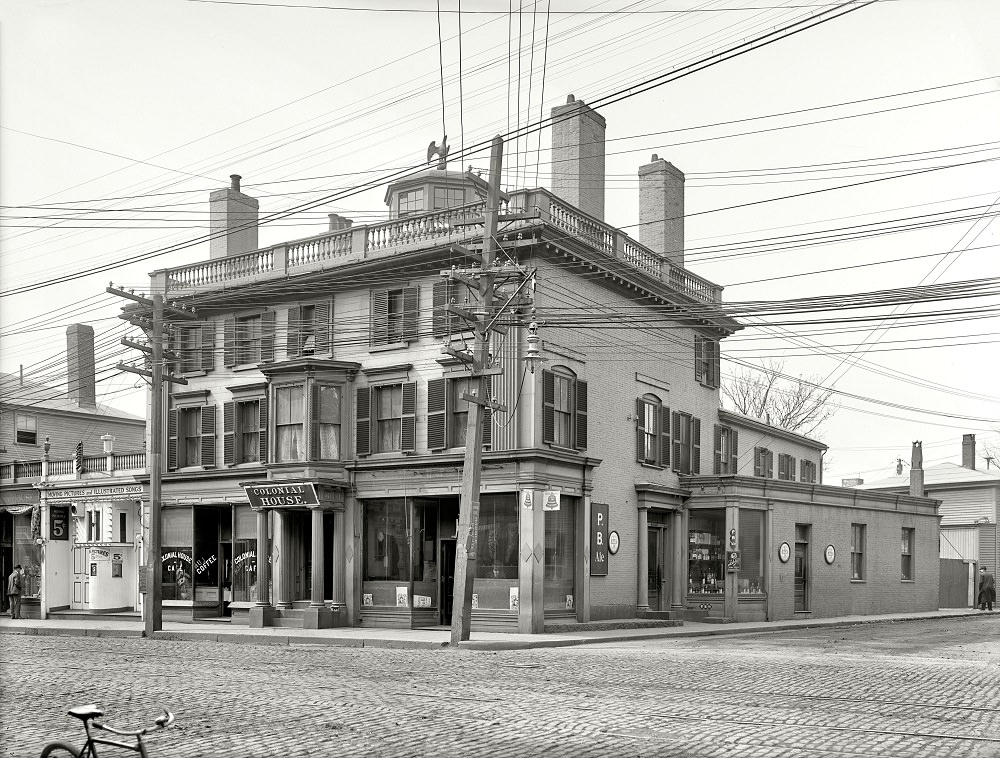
x=14 y=582
x=987 y=590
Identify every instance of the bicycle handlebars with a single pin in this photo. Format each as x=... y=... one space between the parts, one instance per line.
x=162 y=722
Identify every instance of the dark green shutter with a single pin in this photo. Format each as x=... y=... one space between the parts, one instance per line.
x=267 y=336
x=262 y=438
x=442 y=296
x=207 y=361
x=640 y=430
x=408 y=432
x=791 y=468
x=207 y=441
x=362 y=428
x=734 y=449
x=715 y=366
x=581 y=416
x=770 y=464
x=664 y=437
x=229 y=342
x=411 y=311
x=437 y=414
x=294 y=340
x=379 y=316
x=699 y=359
x=677 y=440
x=695 y=446
x=228 y=434
x=171 y=439
x=323 y=327
x=548 y=407
x=717 y=432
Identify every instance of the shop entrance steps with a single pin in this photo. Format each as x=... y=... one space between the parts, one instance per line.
x=71 y=614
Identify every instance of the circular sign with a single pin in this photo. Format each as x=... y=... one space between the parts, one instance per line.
x=830 y=554
x=614 y=542
x=784 y=552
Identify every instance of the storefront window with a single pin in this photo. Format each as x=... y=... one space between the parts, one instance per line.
x=425 y=567
x=206 y=554
x=495 y=585
x=751 y=538
x=387 y=552
x=245 y=555
x=28 y=554
x=706 y=564
x=177 y=535
x=560 y=553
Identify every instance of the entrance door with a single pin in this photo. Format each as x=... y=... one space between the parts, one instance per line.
x=80 y=599
x=801 y=567
x=447 y=579
x=657 y=590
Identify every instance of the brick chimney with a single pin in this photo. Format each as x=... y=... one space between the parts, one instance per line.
x=233 y=221
x=80 y=374
x=578 y=156
x=969 y=451
x=917 y=470
x=661 y=209
x=339 y=223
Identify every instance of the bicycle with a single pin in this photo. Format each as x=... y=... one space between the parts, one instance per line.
x=88 y=715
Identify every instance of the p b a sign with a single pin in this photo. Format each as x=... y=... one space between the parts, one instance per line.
x=599 y=539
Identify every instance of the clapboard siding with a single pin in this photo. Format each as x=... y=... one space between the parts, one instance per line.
x=65 y=430
x=966 y=506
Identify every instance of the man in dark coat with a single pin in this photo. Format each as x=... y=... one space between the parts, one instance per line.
x=987 y=590
x=14 y=588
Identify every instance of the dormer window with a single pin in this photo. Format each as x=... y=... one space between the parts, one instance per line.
x=411 y=202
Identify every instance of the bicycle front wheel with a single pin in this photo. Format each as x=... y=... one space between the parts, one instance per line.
x=61 y=750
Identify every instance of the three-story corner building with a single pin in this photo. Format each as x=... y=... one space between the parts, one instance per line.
x=315 y=455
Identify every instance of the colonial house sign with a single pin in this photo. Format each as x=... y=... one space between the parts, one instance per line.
x=281 y=495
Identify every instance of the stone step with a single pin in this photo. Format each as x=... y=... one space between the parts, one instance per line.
x=287 y=622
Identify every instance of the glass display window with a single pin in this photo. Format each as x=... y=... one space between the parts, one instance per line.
x=750 y=578
x=706 y=552
x=387 y=549
x=176 y=556
x=497 y=551
x=244 y=555
x=560 y=555
x=28 y=554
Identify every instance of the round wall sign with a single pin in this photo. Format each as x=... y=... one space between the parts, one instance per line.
x=830 y=554
x=614 y=542
x=784 y=552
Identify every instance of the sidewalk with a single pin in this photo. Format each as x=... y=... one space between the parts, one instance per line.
x=439 y=637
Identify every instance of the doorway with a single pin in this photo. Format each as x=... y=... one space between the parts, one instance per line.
x=447 y=579
x=81 y=579
x=801 y=568
x=658 y=595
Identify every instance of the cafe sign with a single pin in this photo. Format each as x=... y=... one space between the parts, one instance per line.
x=281 y=495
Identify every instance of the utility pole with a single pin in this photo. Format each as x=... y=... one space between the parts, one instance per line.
x=149 y=317
x=483 y=279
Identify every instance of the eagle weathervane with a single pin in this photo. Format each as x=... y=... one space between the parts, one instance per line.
x=441 y=152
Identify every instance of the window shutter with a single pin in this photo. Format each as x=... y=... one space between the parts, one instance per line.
x=408 y=433
x=640 y=430
x=758 y=461
x=323 y=328
x=677 y=440
x=487 y=421
x=293 y=346
x=362 y=429
x=718 y=449
x=734 y=449
x=207 y=436
x=782 y=466
x=716 y=367
x=314 y=422
x=207 y=361
x=442 y=295
x=665 y=437
x=411 y=309
x=262 y=434
x=379 y=317
x=267 y=336
x=696 y=446
x=229 y=342
x=699 y=359
x=548 y=407
x=770 y=463
x=581 y=415
x=437 y=414
x=228 y=434
x=791 y=468
x=171 y=439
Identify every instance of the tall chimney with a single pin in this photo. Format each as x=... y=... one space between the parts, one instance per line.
x=917 y=470
x=578 y=156
x=339 y=223
x=661 y=209
x=80 y=373
x=233 y=221
x=969 y=451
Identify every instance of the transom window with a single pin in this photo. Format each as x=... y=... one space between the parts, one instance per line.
x=27 y=430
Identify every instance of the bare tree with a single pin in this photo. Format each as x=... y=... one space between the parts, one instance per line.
x=796 y=404
x=991 y=453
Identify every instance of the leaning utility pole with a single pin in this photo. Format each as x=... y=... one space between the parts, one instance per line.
x=149 y=317
x=482 y=320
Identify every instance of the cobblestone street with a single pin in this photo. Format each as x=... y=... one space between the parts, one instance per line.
x=921 y=688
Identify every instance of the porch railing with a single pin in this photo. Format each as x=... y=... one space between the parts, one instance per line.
x=115 y=463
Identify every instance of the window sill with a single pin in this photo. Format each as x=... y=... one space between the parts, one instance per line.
x=859 y=581
x=389 y=347
x=908 y=581
x=198 y=372
x=244 y=367
x=646 y=464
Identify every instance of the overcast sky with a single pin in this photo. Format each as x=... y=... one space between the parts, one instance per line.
x=862 y=156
